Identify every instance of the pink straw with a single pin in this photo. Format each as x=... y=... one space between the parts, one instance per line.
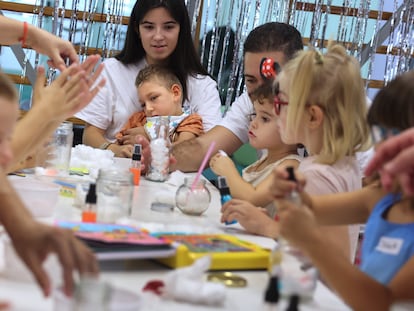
x=203 y=164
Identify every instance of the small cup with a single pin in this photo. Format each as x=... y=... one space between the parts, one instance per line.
x=193 y=199
x=114 y=189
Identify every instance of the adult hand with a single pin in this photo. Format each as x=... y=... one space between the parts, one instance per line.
x=393 y=159
x=222 y=164
x=56 y=48
x=281 y=186
x=254 y=219
x=146 y=153
x=33 y=241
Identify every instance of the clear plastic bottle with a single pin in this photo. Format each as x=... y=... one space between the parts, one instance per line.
x=135 y=168
x=54 y=159
x=160 y=152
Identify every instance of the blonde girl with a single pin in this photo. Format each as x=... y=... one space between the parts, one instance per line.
x=320 y=100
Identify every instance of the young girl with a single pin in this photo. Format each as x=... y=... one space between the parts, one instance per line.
x=320 y=100
x=159 y=32
x=388 y=248
x=253 y=185
x=160 y=94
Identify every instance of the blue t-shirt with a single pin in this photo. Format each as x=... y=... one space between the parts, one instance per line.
x=386 y=246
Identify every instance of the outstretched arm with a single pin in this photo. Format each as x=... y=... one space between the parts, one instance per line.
x=190 y=153
x=33 y=241
x=357 y=289
x=52 y=104
x=43 y=42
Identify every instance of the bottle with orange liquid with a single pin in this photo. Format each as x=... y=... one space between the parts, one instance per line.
x=89 y=210
x=135 y=168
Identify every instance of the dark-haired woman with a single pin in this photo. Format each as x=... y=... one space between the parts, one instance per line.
x=159 y=32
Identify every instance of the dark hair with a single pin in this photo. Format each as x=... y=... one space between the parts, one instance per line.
x=274 y=37
x=393 y=106
x=184 y=61
x=263 y=92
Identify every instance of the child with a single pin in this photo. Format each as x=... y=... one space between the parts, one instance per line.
x=321 y=103
x=253 y=185
x=160 y=94
x=32 y=240
x=388 y=247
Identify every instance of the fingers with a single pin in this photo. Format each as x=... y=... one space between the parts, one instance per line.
x=40 y=80
x=35 y=265
x=61 y=243
x=389 y=149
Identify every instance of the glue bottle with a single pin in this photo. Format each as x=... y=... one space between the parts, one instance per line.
x=272 y=294
x=89 y=210
x=135 y=168
x=298 y=278
x=224 y=194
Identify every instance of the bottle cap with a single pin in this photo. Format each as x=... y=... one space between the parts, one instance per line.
x=137 y=149
x=222 y=185
x=91 y=196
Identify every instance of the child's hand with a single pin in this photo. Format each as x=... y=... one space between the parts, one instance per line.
x=128 y=136
x=221 y=164
x=281 y=186
x=254 y=219
x=297 y=224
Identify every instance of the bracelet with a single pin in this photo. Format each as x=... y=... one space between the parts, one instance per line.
x=24 y=37
x=105 y=145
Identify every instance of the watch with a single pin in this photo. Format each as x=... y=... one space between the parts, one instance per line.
x=105 y=145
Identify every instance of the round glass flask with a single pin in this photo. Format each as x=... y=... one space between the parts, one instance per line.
x=193 y=199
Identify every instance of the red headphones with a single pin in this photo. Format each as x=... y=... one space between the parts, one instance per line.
x=269 y=69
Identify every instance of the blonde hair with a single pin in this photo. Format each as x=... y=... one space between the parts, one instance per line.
x=333 y=82
x=7 y=89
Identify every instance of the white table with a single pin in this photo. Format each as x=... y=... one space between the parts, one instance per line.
x=134 y=274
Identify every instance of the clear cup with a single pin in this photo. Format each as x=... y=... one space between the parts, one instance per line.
x=114 y=190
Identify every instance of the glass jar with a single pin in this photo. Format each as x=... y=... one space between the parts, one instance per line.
x=54 y=157
x=114 y=190
x=92 y=294
x=160 y=152
x=193 y=199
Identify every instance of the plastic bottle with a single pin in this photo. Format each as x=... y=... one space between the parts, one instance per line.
x=224 y=194
x=89 y=210
x=296 y=277
x=135 y=168
x=160 y=152
x=272 y=294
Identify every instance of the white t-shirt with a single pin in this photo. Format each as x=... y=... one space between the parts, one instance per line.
x=118 y=99
x=237 y=117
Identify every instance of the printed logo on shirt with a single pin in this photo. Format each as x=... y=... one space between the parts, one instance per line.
x=390 y=246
